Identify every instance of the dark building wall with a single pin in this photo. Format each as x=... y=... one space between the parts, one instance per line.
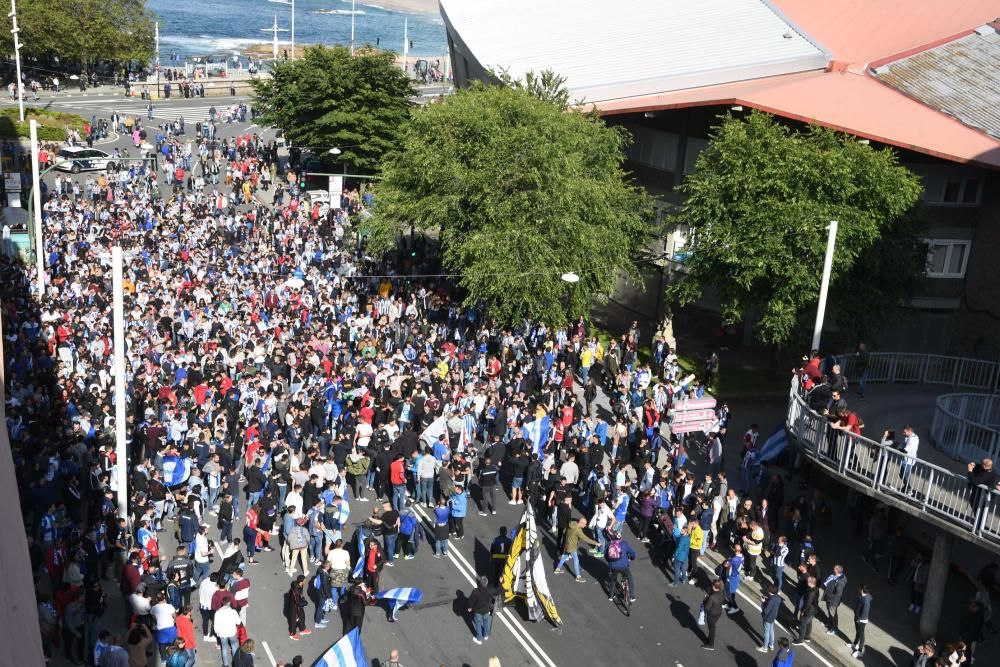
x=979 y=316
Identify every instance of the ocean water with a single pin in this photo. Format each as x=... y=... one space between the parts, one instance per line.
x=225 y=27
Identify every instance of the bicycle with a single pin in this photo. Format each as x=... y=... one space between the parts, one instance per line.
x=621 y=592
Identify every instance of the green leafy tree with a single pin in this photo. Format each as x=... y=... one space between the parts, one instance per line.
x=329 y=98
x=85 y=31
x=519 y=191
x=758 y=205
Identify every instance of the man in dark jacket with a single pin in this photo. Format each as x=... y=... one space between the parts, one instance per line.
x=810 y=605
x=833 y=593
x=862 y=608
x=770 y=606
x=480 y=605
x=712 y=604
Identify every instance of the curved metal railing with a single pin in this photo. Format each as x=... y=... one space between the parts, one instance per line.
x=917 y=486
x=904 y=367
x=967 y=426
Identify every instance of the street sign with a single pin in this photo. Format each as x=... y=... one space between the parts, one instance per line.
x=693 y=415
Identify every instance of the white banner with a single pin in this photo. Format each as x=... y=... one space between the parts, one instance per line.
x=336 y=189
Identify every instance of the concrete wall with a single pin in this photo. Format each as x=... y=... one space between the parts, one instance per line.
x=19 y=631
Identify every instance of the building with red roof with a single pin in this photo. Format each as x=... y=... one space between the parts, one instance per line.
x=922 y=76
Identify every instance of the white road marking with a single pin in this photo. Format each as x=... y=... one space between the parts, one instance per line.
x=112 y=138
x=270 y=656
x=507 y=618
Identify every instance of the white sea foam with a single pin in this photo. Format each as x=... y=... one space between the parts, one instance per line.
x=207 y=44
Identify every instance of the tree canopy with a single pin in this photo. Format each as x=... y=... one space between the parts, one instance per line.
x=330 y=98
x=84 y=31
x=519 y=191
x=758 y=205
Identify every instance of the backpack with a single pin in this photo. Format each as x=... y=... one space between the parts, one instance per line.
x=330 y=516
x=318 y=581
x=407 y=524
x=615 y=550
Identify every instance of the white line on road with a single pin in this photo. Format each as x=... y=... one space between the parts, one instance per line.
x=270 y=656
x=507 y=618
x=109 y=140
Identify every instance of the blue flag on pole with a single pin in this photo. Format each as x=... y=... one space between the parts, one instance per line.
x=347 y=652
x=176 y=470
x=400 y=597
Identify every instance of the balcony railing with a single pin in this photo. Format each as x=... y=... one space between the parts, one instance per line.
x=967 y=426
x=918 y=486
x=903 y=367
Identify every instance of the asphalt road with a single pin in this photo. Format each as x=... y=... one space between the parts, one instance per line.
x=661 y=630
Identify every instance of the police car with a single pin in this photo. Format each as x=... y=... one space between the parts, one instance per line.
x=81 y=158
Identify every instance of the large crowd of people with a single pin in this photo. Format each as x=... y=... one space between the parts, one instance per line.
x=279 y=380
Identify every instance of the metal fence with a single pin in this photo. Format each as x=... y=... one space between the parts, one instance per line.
x=903 y=367
x=967 y=426
x=919 y=485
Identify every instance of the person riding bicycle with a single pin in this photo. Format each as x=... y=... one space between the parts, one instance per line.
x=619 y=554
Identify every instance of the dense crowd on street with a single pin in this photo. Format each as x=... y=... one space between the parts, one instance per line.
x=290 y=398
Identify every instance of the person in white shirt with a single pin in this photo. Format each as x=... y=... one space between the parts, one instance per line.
x=163 y=614
x=294 y=498
x=139 y=602
x=340 y=570
x=570 y=471
x=206 y=590
x=226 y=621
x=202 y=554
x=911 y=443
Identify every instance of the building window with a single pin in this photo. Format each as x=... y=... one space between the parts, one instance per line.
x=949 y=185
x=947 y=258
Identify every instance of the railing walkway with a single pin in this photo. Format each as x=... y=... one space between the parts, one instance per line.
x=934 y=494
x=904 y=367
x=967 y=426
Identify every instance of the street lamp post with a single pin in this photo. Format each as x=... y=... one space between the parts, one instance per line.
x=17 y=58
x=824 y=287
x=35 y=202
x=292 y=3
x=118 y=313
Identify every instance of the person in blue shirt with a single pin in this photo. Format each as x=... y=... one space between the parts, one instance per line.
x=733 y=568
x=682 y=551
x=619 y=558
x=459 y=504
x=442 y=514
x=785 y=656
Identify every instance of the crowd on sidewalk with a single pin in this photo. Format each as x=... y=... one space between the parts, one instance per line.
x=279 y=379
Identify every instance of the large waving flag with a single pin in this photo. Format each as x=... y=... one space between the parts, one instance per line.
x=176 y=470
x=400 y=597
x=538 y=432
x=774 y=445
x=524 y=573
x=347 y=652
x=434 y=431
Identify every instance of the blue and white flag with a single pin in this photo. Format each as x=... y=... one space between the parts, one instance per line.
x=176 y=470
x=538 y=432
x=400 y=597
x=774 y=445
x=359 y=567
x=347 y=652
